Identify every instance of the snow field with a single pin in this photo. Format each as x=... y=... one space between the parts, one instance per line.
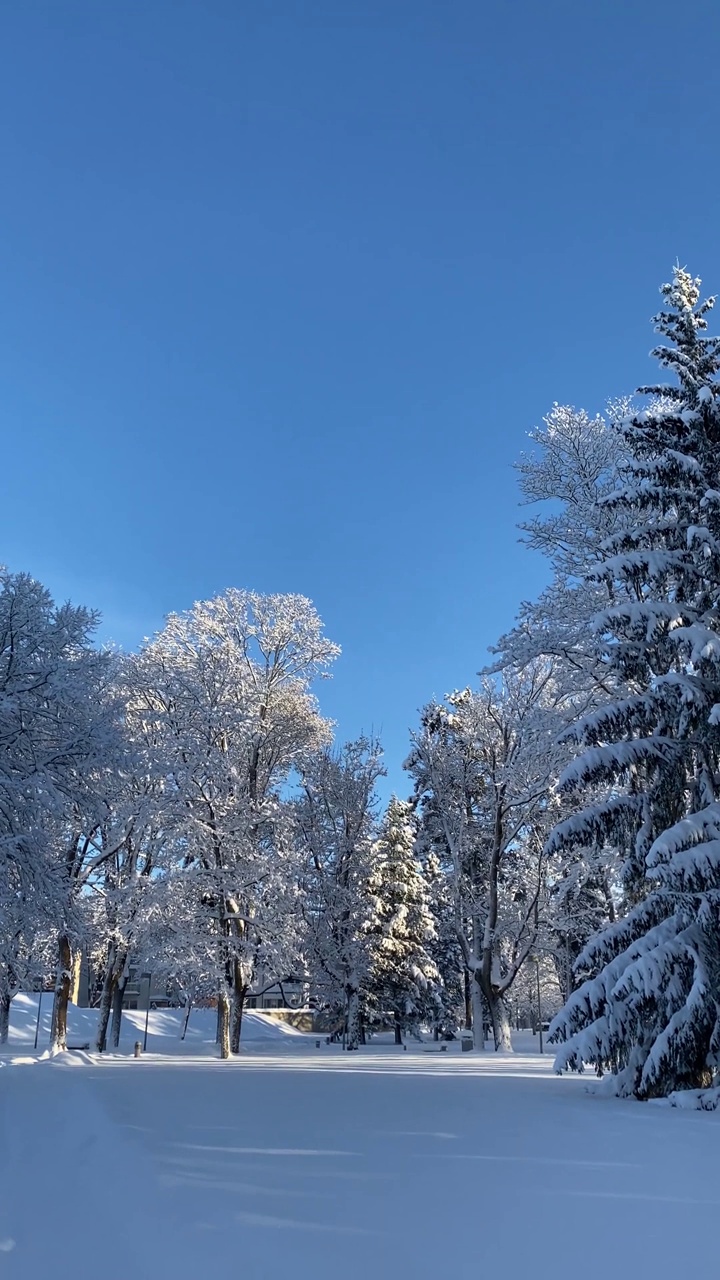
x=321 y=1164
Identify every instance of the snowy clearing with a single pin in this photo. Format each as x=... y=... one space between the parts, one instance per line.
x=292 y=1161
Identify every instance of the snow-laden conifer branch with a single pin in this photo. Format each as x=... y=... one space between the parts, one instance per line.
x=647 y=1011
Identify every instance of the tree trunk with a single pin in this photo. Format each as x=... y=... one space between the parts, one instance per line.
x=4 y=1015
x=187 y=1019
x=106 y=1000
x=478 y=1008
x=75 y=976
x=224 y=1022
x=501 y=1024
x=398 y=1028
x=238 y=1006
x=478 y=1018
x=353 y=1017
x=117 y=1008
x=58 y=1032
x=468 y=1000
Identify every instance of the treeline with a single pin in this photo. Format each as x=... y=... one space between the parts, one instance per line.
x=187 y=804
x=184 y=809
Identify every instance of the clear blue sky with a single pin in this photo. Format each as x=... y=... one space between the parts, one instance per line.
x=285 y=283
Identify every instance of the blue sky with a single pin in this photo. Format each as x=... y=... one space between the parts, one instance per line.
x=285 y=285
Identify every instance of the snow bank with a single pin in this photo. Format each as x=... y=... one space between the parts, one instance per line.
x=695 y=1099
x=164 y=1028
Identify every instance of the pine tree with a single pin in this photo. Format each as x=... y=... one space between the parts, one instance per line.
x=649 y=1009
x=403 y=978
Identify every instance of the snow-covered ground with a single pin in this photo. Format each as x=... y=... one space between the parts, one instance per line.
x=308 y=1163
x=164 y=1028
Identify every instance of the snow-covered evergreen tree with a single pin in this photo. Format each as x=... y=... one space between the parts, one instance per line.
x=444 y=947
x=649 y=1011
x=403 y=978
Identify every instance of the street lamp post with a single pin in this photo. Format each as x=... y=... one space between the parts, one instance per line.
x=539 y=1002
x=147 y=1013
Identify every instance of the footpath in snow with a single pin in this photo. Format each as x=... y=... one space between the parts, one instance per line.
x=311 y=1164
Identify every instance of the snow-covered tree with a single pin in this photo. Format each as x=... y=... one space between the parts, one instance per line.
x=483 y=770
x=54 y=732
x=143 y=803
x=573 y=469
x=444 y=947
x=336 y=825
x=448 y=783
x=650 y=759
x=91 y=831
x=123 y=901
x=584 y=886
x=403 y=978
x=175 y=940
x=25 y=938
x=227 y=690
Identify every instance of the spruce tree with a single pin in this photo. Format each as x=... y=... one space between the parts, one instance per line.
x=648 y=1011
x=403 y=978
